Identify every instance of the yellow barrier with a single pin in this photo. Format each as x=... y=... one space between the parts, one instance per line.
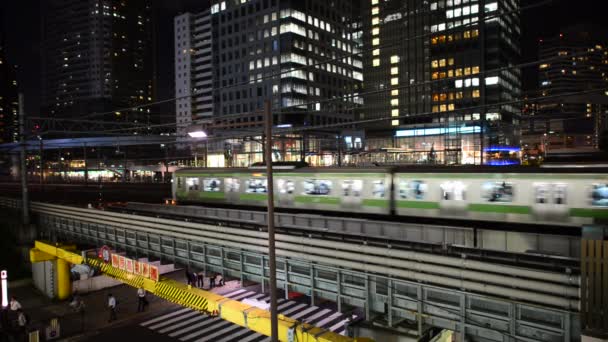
x=247 y=316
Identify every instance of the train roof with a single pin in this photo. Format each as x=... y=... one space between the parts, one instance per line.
x=566 y=168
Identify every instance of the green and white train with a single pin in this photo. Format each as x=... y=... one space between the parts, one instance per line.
x=568 y=197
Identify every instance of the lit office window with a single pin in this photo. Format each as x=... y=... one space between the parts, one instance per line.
x=476 y=93
x=394 y=70
x=376 y=62
x=394 y=102
x=395 y=112
x=394 y=59
x=376 y=31
x=376 y=52
x=394 y=81
x=492 y=80
x=374 y=2
x=395 y=122
x=376 y=41
x=375 y=21
x=375 y=10
x=395 y=92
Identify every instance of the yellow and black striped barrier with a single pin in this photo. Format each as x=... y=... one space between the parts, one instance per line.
x=245 y=315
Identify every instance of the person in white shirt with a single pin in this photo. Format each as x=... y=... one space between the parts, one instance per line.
x=14 y=304
x=112 y=307
x=141 y=299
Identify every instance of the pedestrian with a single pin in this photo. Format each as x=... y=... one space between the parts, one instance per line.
x=212 y=280
x=189 y=277
x=220 y=280
x=21 y=324
x=14 y=304
x=112 y=307
x=200 y=277
x=141 y=299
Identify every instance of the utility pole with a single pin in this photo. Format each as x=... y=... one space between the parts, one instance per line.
x=24 y=193
x=272 y=262
x=41 y=162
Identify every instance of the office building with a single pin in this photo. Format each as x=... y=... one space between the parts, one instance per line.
x=439 y=73
x=9 y=107
x=97 y=57
x=268 y=50
x=565 y=119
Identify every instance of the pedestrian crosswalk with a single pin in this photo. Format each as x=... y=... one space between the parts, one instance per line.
x=320 y=317
x=191 y=326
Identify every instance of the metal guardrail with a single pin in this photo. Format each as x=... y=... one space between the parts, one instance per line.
x=247 y=316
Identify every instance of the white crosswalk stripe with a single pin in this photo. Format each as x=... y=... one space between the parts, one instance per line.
x=192 y=326
x=165 y=316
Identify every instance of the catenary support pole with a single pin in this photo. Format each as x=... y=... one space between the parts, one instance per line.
x=274 y=329
x=23 y=169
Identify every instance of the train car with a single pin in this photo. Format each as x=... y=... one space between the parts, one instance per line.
x=359 y=190
x=565 y=196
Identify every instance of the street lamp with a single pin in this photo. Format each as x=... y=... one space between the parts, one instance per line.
x=198 y=133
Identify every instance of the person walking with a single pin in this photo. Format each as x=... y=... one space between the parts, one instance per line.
x=21 y=324
x=141 y=299
x=212 y=280
x=14 y=304
x=112 y=307
x=189 y=277
x=199 y=278
x=220 y=280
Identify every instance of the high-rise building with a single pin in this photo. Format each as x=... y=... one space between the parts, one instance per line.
x=440 y=70
x=237 y=55
x=577 y=61
x=9 y=121
x=97 y=57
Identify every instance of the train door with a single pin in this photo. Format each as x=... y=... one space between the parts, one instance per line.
x=352 y=193
x=286 y=189
x=551 y=201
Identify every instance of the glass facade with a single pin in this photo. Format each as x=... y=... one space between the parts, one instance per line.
x=439 y=66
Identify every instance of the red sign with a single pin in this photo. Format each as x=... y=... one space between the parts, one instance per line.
x=136 y=267
x=129 y=265
x=145 y=270
x=154 y=273
x=121 y=262
x=115 y=260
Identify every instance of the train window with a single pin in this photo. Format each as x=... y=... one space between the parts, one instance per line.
x=378 y=188
x=453 y=191
x=256 y=185
x=286 y=186
x=211 y=184
x=550 y=193
x=232 y=184
x=541 y=193
x=415 y=189
x=352 y=187
x=559 y=193
x=599 y=195
x=192 y=184
x=497 y=191
x=317 y=187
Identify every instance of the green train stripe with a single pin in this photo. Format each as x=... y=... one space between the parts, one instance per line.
x=253 y=197
x=417 y=204
x=211 y=195
x=589 y=212
x=318 y=200
x=382 y=203
x=497 y=208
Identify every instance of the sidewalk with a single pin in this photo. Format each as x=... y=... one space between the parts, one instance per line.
x=74 y=326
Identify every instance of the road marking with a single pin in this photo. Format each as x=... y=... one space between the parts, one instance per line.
x=297 y=307
x=162 y=324
x=285 y=305
x=165 y=316
x=317 y=315
x=233 y=337
x=221 y=332
x=243 y=295
x=234 y=293
x=328 y=319
x=221 y=323
x=303 y=313
x=194 y=326
x=181 y=324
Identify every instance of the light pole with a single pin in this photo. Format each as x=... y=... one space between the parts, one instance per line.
x=199 y=134
x=272 y=263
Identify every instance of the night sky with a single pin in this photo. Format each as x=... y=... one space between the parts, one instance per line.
x=20 y=21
